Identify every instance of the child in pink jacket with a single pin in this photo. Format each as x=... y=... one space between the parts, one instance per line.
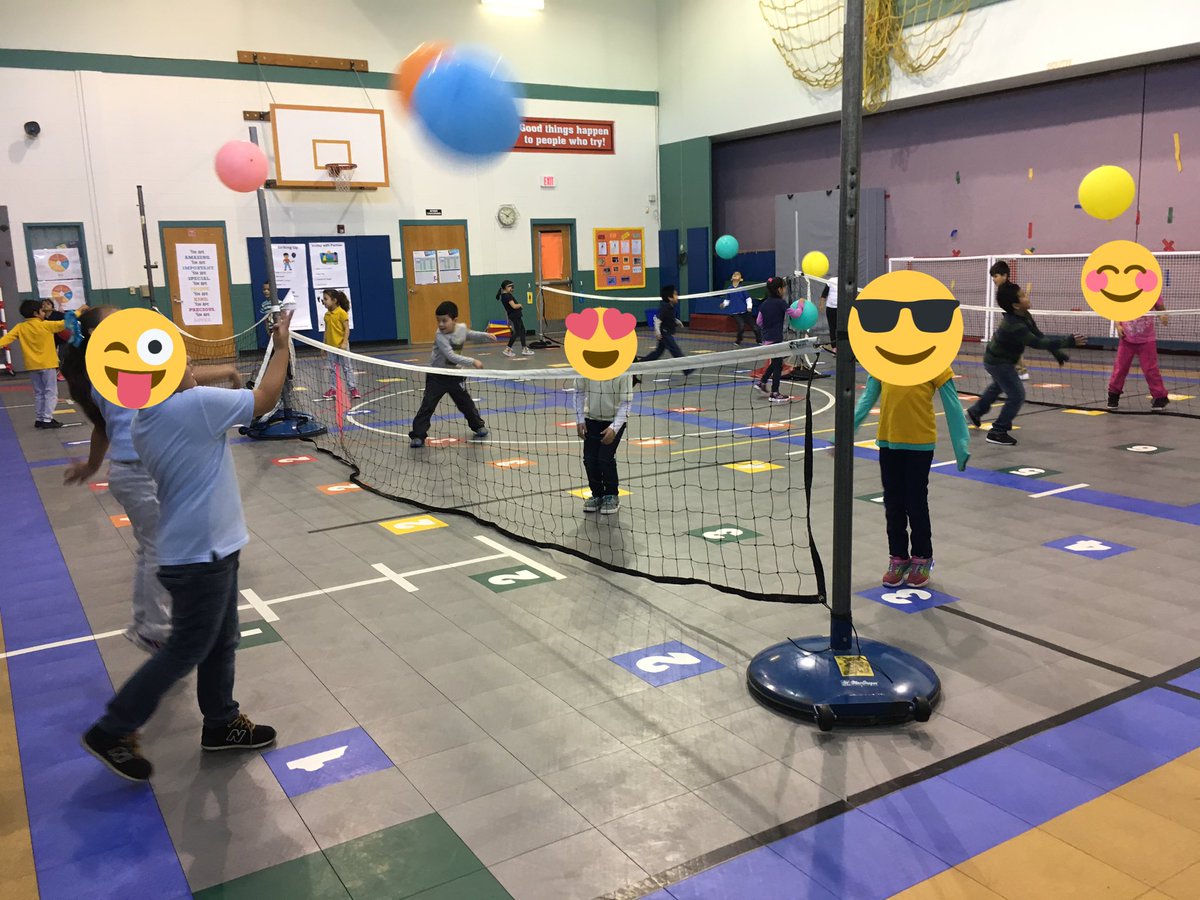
x=1138 y=339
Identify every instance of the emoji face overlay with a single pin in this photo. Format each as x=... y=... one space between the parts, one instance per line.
x=1121 y=280
x=136 y=358
x=600 y=342
x=905 y=328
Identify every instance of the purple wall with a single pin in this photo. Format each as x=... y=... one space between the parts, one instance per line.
x=1061 y=131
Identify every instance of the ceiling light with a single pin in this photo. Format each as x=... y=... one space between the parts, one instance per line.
x=514 y=5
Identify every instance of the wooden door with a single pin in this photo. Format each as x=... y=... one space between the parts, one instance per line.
x=554 y=267
x=427 y=288
x=209 y=243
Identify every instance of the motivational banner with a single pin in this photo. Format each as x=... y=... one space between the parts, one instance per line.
x=199 y=284
x=565 y=136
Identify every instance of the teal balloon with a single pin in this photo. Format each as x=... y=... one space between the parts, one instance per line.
x=802 y=315
x=727 y=246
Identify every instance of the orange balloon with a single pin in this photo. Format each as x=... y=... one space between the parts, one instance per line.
x=413 y=67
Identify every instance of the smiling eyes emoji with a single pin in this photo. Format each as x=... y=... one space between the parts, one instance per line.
x=1121 y=280
x=600 y=342
x=136 y=358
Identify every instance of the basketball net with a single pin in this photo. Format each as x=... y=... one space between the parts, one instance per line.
x=913 y=35
x=341 y=174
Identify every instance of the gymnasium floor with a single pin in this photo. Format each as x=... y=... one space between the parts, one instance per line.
x=455 y=736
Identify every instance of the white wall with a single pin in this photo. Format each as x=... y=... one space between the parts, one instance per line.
x=720 y=73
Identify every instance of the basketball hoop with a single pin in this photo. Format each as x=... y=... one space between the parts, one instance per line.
x=341 y=174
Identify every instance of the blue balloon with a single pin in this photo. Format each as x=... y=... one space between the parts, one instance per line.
x=802 y=315
x=727 y=246
x=467 y=105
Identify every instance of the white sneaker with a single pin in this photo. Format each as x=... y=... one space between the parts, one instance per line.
x=1024 y=376
x=508 y=351
x=525 y=351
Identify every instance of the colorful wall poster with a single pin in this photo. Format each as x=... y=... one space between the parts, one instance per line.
x=328 y=264
x=67 y=293
x=58 y=264
x=449 y=265
x=617 y=254
x=199 y=284
x=291 y=275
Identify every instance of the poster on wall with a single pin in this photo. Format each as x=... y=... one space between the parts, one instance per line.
x=425 y=267
x=54 y=264
x=449 y=264
x=328 y=261
x=199 y=284
x=539 y=135
x=317 y=292
x=618 y=262
x=291 y=275
x=66 y=293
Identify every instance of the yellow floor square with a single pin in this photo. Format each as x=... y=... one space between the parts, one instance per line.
x=987 y=426
x=1172 y=791
x=412 y=524
x=949 y=885
x=752 y=466
x=1184 y=886
x=586 y=493
x=1179 y=398
x=869 y=445
x=1085 y=412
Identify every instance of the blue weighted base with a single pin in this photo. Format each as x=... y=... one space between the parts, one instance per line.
x=285 y=424
x=802 y=677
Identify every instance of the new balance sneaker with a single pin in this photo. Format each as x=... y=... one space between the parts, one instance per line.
x=329 y=394
x=525 y=351
x=761 y=388
x=918 y=572
x=240 y=734
x=416 y=442
x=508 y=351
x=1158 y=404
x=610 y=505
x=897 y=569
x=355 y=395
x=973 y=418
x=1001 y=437
x=119 y=752
x=592 y=504
x=143 y=643
x=479 y=435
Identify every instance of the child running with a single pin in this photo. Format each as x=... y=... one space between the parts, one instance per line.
x=36 y=335
x=1016 y=331
x=601 y=411
x=829 y=294
x=450 y=338
x=906 y=439
x=337 y=334
x=1139 y=339
x=743 y=309
x=183 y=445
x=1001 y=274
x=128 y=481
x=665 y=325
x=516 y=319
x=772 y=313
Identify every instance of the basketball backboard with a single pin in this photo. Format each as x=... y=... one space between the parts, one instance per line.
x=308 y=138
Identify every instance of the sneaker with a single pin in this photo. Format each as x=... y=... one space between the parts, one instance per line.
x=918 y=573
x=1114 y=400
x=60 y=377
x=119 y=753
x=1158 y=404
x=1024 y=376
x=592 y=504
x=1001 y=437
x=776 y=397
x=508 y=351
x=240 y=734
x=143 y=643
x=761 y=388
x=973 y=418
x=38 y=423
x=610 y=505
x=525 y=351
x=53 y=423
x=355 y=395
x=329 y=394
x=479 y=435
x=897 y=569
x=416 y=442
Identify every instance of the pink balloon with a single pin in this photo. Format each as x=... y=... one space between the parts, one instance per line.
x=241 y=166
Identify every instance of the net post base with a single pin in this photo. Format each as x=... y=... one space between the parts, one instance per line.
x=802 y=677
x=284 y=424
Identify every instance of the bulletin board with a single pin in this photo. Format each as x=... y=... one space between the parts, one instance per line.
x=620 y=258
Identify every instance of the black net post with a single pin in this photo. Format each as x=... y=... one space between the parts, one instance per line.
x=146 y=247
x=841 y=628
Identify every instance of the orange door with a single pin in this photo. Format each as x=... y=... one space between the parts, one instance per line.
x=430 y=275
x=554 y=266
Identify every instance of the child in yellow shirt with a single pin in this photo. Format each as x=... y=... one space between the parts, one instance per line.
x=36 y=335
x=337 y=334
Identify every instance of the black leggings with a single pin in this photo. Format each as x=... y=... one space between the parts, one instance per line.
x=905 y=476
x=774 y=371
x=516 y=324
x=747 y=320
x=831 y=318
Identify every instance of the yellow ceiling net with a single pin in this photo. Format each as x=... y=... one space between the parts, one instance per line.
x=913 y=35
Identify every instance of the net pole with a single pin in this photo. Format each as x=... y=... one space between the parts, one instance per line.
x=146 y=245
x=841 y=623
x=265 y=224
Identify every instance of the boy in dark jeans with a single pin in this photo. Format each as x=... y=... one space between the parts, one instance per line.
x=1001 y=274
x=601 y=410
x=1017 y=331
x=665 y=325
x=450 y=338
x=182 y=444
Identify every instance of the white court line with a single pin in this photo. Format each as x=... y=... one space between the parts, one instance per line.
x=79 y=640
x=1061 y=490
x=251 y=632
x=815 y=449
x=400 y=580
x=256 y=603
x=521 y=558
x=948 y=462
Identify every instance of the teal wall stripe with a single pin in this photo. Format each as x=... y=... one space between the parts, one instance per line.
x=233 y=71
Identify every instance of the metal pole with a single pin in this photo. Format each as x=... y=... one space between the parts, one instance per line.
x=146 y=245
x=841 y=629
x=265 y=224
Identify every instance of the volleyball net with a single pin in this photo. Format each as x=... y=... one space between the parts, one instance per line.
x=713 y=475
x=240 y=350
x=1058 y=308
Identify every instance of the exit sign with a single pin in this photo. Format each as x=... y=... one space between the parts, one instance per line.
x=548 y=181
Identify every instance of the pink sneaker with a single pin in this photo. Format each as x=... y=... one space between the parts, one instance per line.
x=355 y=395
x=897 y=569
x=330 y=394
x=918 y=573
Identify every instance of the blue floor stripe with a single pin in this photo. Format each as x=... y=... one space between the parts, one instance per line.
x=92 y=834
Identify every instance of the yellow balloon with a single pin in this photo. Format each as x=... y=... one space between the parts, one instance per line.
x=1106 y=192
x=815 y=263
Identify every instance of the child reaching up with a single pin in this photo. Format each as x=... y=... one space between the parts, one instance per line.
x=601 y=411
x=337 y=334
x=450 y=338
x=1138 y=339
x=906 y=439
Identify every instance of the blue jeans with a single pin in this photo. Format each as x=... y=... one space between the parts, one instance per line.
x=1005 y=380
x=336 y=362
x=204 y=637
x=600 y=460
